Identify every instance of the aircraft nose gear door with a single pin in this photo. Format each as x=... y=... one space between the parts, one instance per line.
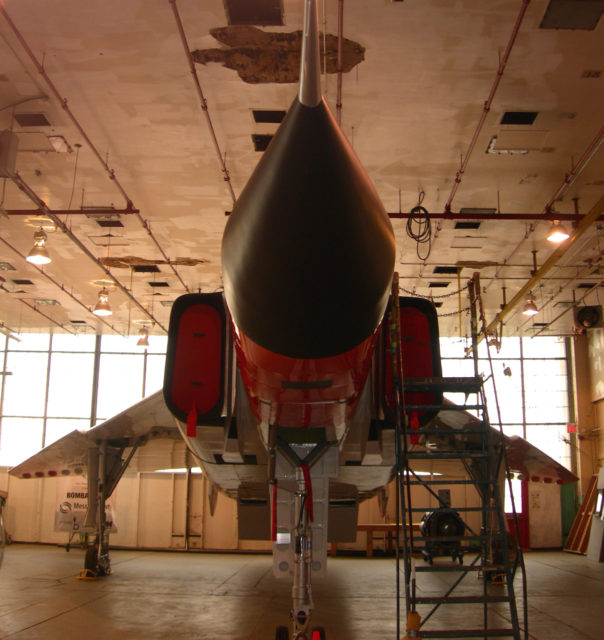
x=300 y=501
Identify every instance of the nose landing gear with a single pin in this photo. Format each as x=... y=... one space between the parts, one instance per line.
x=282 y=633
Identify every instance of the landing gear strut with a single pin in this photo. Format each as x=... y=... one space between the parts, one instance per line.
x=105 y=468
x=301 y=589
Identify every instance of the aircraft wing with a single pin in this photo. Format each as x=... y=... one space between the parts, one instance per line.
x=148 y=422
x=523 y=457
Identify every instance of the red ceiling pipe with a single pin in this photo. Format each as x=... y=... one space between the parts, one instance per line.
x=487 y=104
x=494 y=217
x=33 y=196
x=570 y=177
x=548 y=213
x=57 y=284
x=202 y=100
x=75 y=212
x=109 y=171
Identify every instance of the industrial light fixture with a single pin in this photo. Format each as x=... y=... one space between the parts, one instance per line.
x=102 y=308
x=557 y=233
x=39 y=253
x=530 y=309
x=143 y=341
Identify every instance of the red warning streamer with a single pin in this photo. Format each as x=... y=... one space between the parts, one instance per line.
x=192 y=422
x=308 y=485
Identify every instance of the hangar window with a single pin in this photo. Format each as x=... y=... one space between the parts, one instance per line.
x=532 y=387
x=49 y=386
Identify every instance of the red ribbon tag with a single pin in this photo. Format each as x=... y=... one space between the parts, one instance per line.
x=308 y=485
x=192 y=422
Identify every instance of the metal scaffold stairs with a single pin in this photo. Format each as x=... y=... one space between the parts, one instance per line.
x=451 y=567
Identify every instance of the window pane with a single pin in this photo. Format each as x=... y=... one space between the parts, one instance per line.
x=20 y=439
x=513 y=430
x=57 y=428
x=30 y=342
x=543 y=347
x=119 y=344
x=517 y=494
x=77 y=343
x=25 y=388
x=155 y=373
x=120 y=383
x=157 y=344
x=70 y=391
x=551 y=440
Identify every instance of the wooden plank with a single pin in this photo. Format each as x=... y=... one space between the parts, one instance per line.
x=578 y=537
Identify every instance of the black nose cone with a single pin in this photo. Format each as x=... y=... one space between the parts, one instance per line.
x=308 y=251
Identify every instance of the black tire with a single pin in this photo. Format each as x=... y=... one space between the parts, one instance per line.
x=318 y=633
x=282 y=633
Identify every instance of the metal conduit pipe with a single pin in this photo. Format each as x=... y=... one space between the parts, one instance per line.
x=339 y=75
x=487 y=104
x=34 y=308
x=565 y=286
x=562 y=313
x=31 y=194
x=202 y=100
x=581 y=164
x=74 y=212
x=586 y=156
x=110 y=172
x=57 y=284
x=496 y=217
x=506 y=261
x=581 y=228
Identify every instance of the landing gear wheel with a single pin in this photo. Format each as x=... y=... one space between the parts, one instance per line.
x=282 y=633
x=318 y=633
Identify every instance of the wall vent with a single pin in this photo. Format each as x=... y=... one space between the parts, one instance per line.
x=254 y=12
x=439 y=284
x=109 y=223
x=158 y=284
x=145 y=268
x=31 y=120
x=20 y=281
x=45 y=301
x=572 y=14
x=261 y=141
x=446 y=270
x=519 y=117
x=460 y=224
x=268 y=116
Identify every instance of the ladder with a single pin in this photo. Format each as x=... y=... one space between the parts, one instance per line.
x=474 y=562
x=474 y=565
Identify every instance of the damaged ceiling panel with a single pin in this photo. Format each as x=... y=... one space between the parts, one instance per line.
x=260 y=57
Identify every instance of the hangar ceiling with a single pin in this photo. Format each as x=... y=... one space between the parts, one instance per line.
x=488 y=114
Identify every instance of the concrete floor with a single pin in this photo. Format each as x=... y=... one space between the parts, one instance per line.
x=160 y=595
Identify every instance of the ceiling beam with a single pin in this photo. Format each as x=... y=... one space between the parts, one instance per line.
x=587 y=220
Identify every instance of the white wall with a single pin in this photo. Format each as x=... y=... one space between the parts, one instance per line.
x=150 y=513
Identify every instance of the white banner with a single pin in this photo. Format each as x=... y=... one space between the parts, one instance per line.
x=72 y=505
